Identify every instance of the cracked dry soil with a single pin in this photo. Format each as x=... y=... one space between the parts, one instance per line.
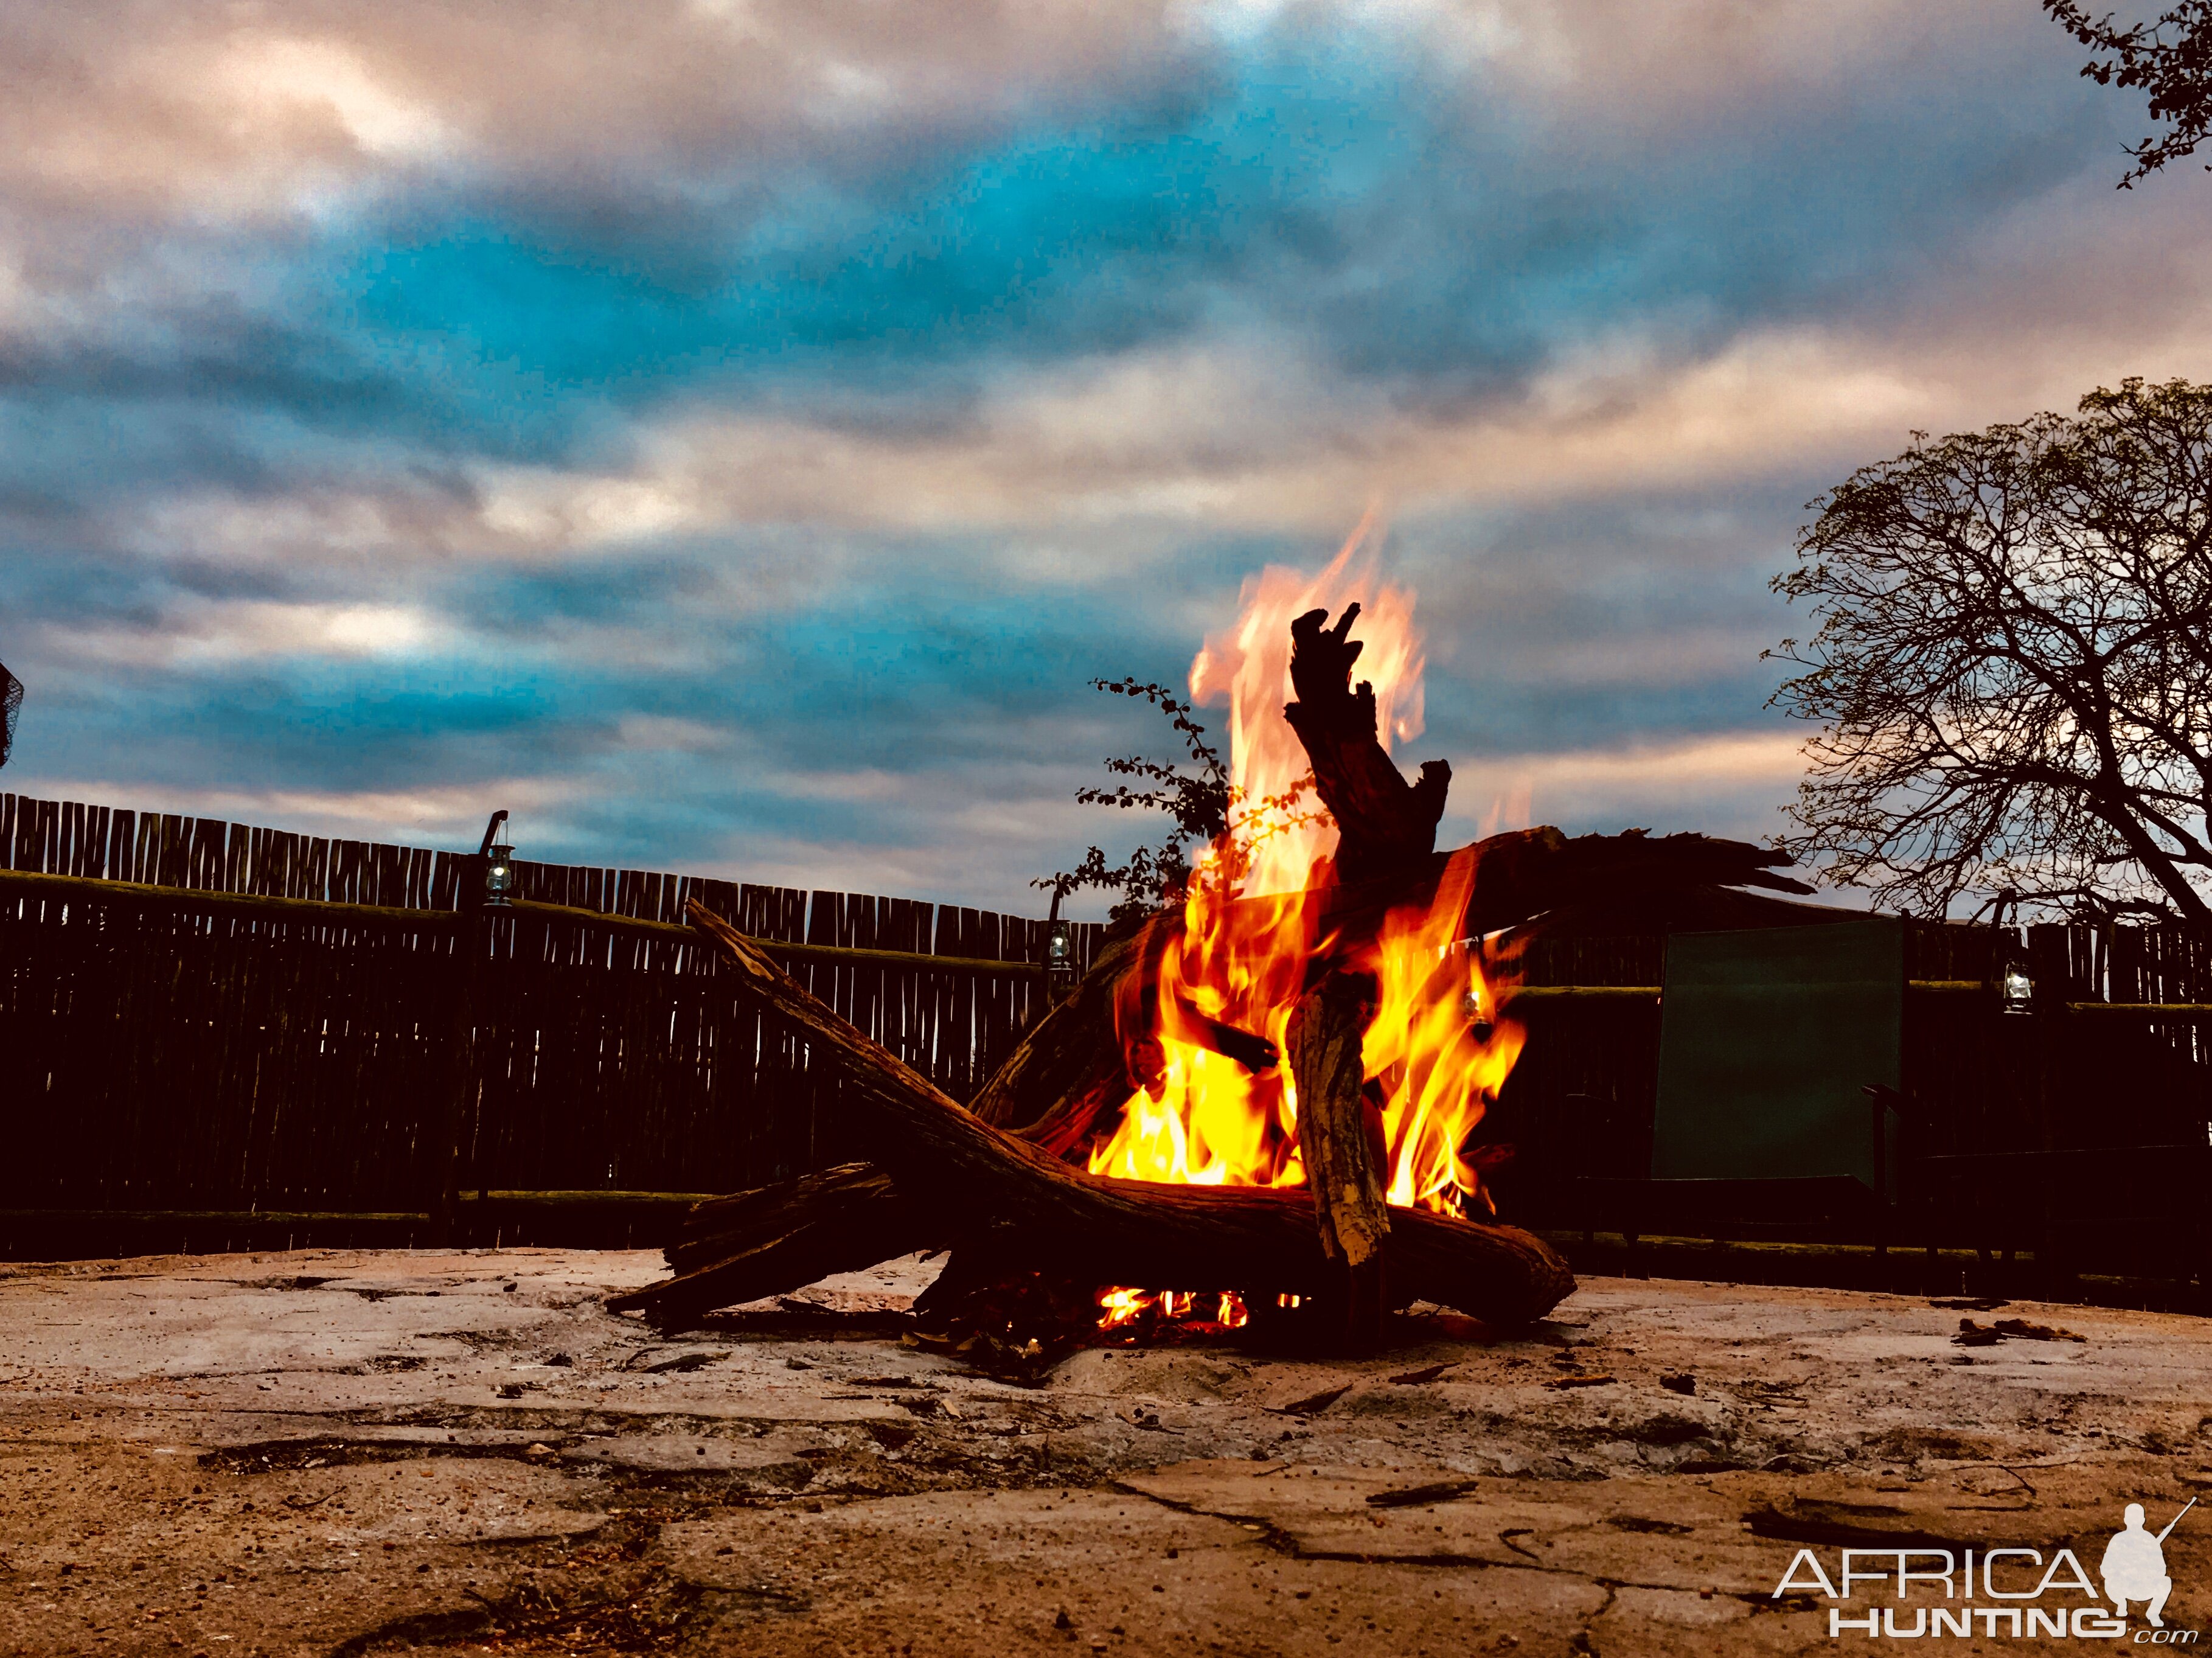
x=369 y=1453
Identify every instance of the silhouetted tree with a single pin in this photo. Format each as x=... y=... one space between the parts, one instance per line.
x=2014 y=663
x=2170 y=58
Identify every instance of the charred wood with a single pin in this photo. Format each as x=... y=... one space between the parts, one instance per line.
x=783 y=1237
x=1343 y=1154
x=1071 y=1066
x=1079 y=1228
x=1384 y=822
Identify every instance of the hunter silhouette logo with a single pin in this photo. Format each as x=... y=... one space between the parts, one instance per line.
x=1993 y=1592
x=2133 y=1567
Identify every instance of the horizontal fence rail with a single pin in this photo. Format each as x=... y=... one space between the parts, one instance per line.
x=1527 y=996
x=64 y=887
x=209 y=1016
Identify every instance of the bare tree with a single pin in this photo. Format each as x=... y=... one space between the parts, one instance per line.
x=2170 y=58
x=2013 y=664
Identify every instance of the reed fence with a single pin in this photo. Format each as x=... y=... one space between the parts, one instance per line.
x=183 y=1038
x=188 y=1025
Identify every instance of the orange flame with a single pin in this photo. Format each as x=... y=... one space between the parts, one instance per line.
x=1119 y=1306
x=1277 y=825
x=1434 y=1052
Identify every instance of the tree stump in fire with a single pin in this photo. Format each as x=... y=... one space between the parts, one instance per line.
x=1384 y=822
x=1340 y=1135
x=999 y=1182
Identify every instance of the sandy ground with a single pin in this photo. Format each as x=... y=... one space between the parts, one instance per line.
x=364 y=1453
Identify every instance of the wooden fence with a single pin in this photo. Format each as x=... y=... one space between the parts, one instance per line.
x=2077 y=1132
x=2085 y=1072
x=184 y=1042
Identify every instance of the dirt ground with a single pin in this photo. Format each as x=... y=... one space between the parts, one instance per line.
x=354 y=1453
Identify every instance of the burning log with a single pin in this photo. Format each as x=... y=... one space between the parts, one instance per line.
x=1070 y=1066
x=1047 y=1216
x=1341 y=1135
x=1254 y=1054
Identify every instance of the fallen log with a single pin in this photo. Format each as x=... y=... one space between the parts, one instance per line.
x=966 y=1176
x=766 y=1213
x=777 y=1238
x=782 y=1238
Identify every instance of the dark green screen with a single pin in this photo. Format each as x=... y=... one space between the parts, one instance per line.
x=1766 y=1038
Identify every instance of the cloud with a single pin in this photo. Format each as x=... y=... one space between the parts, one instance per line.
x=735 y=431
x=204 y=635
x=445 y=816
x=1727 y=783
x=169 y=108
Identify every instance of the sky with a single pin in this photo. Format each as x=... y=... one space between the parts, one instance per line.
x=731 y=433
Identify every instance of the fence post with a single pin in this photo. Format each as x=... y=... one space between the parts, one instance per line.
x=472 y=943
x=2051 y=970
x=485 y=881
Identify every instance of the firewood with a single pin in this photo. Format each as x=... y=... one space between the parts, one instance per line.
x=1089 y=1229
x=1070 y=1075
x=1076 y=1068
x=1343 y=1161
x=1256 y=1053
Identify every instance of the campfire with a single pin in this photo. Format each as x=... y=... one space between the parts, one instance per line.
x=1254 y=1109
x=1248 y=979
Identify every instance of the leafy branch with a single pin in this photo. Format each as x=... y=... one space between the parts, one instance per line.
x=2170 y=59
x=1204 y=808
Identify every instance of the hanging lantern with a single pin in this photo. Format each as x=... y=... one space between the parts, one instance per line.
x=1059 y=951
x=497 y=857
x=1059 y=958
x=499 y=876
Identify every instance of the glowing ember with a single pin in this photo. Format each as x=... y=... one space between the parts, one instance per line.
x=1121 y=1305
x=1120 y=1308
x=1434 y=1058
